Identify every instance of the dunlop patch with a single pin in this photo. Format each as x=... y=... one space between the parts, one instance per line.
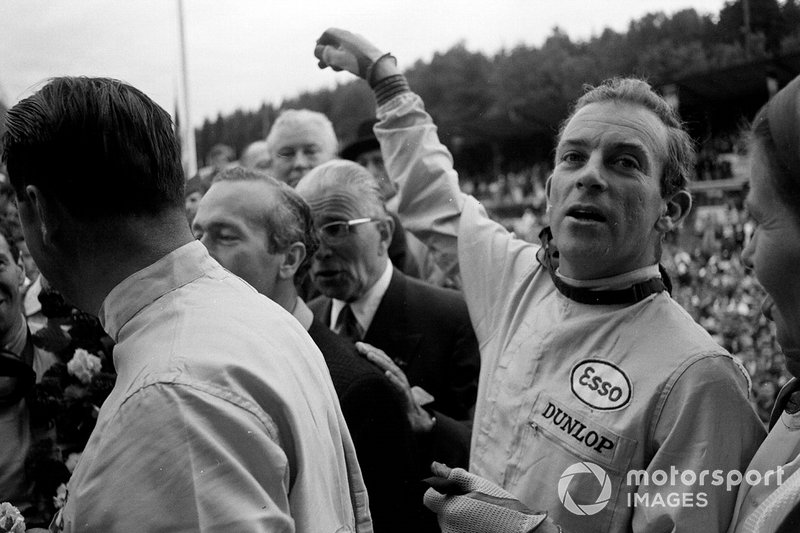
x=580 y=433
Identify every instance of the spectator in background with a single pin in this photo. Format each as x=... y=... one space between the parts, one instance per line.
x=31 y=306
x=299 y=140
x=255 y=156
x=223 y=416
x=21 y=365
x=193 y=191
x=405 y=250
x=366 y=151
x=218 y=158
x=262 y=231
x=590 y=302
x=425 y=330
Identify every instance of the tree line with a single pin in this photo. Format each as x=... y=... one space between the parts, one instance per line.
x=501 y=112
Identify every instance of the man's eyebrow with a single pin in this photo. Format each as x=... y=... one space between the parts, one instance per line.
x=639 y=147
x=574 y=142
x=217 y=225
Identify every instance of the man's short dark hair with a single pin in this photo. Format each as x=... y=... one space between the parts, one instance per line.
x=98 y=145
x=287 y=220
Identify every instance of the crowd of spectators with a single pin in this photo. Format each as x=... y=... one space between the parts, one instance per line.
x=722 y=295
x=719 y=157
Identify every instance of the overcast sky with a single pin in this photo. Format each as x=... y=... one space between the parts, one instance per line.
x=244 y=52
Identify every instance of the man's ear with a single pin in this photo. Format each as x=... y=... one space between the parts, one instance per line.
x=675 y=210
x=292 y=259
x=22 y=274
x=386 y=229
x=46 y=213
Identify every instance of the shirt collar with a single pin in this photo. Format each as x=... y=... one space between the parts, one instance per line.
x=179 y=267
x=365 y=307
x=620 y=281
x=303 y=314
x=15 y=342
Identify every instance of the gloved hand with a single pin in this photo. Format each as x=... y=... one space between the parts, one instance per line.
x=342 y=50
x=466 y=503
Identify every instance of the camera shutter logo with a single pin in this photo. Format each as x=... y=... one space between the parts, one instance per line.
x=586 y=509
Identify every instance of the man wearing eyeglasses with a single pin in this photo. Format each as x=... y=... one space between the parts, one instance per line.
x=299 y=140
x=424 y=330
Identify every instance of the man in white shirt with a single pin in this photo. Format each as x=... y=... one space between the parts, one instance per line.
x=223 y=416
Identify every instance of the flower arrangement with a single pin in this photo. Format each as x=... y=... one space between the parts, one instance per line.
x=64 y=404
x=11 y=520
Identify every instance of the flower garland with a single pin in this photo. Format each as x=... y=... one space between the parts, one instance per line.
x=11 y=520
x=64 y=404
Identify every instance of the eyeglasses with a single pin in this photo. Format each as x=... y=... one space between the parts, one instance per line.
x=338 y=231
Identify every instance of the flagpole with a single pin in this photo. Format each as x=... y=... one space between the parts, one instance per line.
x=188 y=146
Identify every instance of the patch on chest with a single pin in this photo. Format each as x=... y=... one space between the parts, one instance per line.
x=601 y=385
x=576 y=430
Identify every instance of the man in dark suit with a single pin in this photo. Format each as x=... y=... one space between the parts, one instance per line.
x=262 y=231
x=424 y=330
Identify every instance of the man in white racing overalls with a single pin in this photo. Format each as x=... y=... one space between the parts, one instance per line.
x=600 y=400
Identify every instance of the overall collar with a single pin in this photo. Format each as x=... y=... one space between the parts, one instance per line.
x=624 y=289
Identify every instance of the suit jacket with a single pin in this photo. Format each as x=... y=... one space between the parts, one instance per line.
x=381 y=434
x=426 y=330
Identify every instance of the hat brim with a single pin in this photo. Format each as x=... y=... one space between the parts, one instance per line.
x=358 y=147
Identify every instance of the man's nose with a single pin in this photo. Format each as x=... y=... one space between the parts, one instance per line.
x=301 y=159
x=324 y=249
x=591 y=175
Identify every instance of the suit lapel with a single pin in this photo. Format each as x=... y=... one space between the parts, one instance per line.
x=390 y=328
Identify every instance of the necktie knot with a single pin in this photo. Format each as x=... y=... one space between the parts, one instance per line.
x=347 y=325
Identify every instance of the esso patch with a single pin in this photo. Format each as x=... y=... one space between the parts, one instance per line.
x=601 y=385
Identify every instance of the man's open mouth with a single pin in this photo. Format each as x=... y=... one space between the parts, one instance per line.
x=586 y=213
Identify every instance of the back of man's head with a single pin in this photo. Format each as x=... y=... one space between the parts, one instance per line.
x=679 y=152
x=99 y=146
x=220 y=155
x=255 y=156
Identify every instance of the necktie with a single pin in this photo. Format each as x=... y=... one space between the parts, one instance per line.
x=347 y=325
